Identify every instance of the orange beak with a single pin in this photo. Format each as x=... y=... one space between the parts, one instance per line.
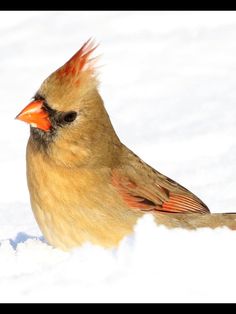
x=35 y=114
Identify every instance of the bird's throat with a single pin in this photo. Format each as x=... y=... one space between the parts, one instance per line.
x=42 y=139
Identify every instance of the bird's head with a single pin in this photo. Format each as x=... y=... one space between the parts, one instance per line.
x=67 y=110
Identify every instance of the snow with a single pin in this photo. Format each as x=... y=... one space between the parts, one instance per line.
x=168 y=82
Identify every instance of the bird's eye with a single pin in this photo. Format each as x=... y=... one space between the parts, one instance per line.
x=69 y=116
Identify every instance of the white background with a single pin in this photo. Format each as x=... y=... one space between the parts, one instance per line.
x=168 y=83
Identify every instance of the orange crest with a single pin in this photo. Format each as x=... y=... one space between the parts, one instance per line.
x=79 y=63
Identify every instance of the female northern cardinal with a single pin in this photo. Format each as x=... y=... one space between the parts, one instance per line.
x=84 y=184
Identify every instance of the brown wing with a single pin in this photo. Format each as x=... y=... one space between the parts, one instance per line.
x=161 y=194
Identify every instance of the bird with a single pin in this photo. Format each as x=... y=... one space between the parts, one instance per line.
x=84 y=184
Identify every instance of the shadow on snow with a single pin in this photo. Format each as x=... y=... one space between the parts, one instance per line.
x=22 y=237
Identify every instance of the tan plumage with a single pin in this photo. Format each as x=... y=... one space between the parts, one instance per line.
x=84 y=184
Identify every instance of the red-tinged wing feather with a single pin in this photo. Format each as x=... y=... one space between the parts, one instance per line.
x=179 y=203
x=156 y=198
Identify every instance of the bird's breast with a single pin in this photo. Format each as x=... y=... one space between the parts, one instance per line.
x=73 y=206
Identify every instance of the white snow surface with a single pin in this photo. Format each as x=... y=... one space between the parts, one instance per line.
x=168 y=82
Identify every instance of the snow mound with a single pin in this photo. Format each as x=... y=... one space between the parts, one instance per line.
x=154 y=264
